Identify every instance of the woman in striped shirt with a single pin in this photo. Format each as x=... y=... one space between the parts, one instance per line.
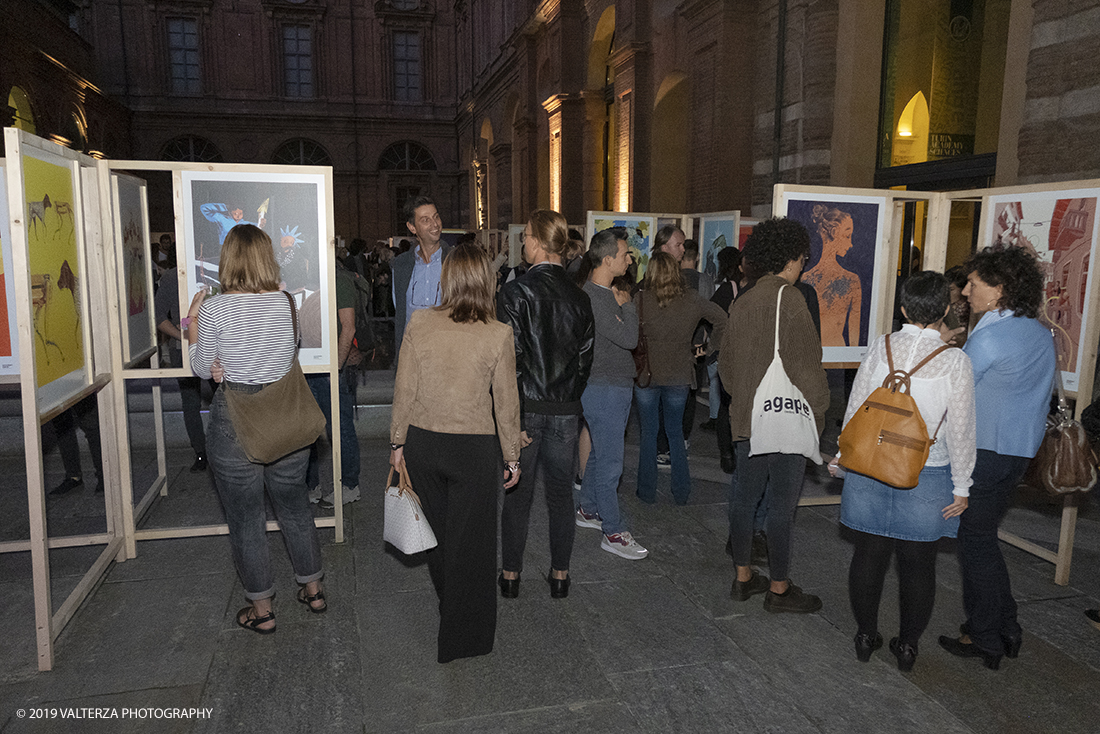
x=249 y=331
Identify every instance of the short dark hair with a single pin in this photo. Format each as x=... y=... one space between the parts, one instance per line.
x=691 y=249
x=925 y=297
x=1016 y=270
x=774 y=243
x=415 y=202
x=956 y=276
x=605 y=244
x=729 y=263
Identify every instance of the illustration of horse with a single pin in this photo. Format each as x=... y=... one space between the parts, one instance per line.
x=63 y=209
x=37 y=212
x=40 y=300
x=66 y=280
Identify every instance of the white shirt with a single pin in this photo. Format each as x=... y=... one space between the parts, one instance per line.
x=944 y=385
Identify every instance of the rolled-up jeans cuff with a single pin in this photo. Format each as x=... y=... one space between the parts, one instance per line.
x=260 y=595
x=312 y=577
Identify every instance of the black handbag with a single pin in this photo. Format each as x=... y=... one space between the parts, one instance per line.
x=279 y=419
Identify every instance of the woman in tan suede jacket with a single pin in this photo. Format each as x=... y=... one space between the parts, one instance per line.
x=456 y=373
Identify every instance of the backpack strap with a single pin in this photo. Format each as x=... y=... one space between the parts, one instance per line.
x=896 y=379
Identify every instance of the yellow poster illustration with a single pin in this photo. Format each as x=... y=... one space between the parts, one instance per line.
x=54 y=268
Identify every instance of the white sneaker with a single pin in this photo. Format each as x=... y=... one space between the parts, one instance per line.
x=577 y=484
x=664 y=460
x=351 y=494
x=315 y=494
x=584 y=520
x=623 y=544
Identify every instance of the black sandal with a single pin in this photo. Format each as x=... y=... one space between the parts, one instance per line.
x=308 y=601
x=246 y=618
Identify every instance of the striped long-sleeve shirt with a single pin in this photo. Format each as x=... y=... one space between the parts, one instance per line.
x=252 y=334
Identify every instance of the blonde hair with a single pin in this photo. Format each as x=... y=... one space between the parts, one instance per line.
x=247 y=261
x=551 y=230
x=664 y=279
x=468 y=286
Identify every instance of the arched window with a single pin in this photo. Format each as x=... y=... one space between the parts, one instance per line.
x=406 y=156
x=301 y=152
x=191 y=148
x=23 y=116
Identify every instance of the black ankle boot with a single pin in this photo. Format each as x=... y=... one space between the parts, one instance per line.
x=509 y=588
x=867 y=644
x=905 y=653
x=559 y=588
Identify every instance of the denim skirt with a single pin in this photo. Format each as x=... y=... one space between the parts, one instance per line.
x=870 y=506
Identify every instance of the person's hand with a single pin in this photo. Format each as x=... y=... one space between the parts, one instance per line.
x=193 y=312
x=621 y=297
x=951 y=336
x=834 y=467
x=397 y=459
x=217 y=372
x=524 y=440
x=511 y=478
x=956 y=508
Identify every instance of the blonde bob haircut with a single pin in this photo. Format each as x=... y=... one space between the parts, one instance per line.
x=664 y=278
x=551 y=230
x=247 y=262
x=468 y=286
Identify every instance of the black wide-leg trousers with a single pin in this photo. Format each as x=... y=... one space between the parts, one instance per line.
x=458 y=480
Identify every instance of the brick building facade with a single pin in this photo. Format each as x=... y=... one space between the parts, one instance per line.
x=498 y=107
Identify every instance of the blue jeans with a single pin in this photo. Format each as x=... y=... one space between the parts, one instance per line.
x=549 y=456
x=349 y=442
x=715 y=395
x=672 y=398
x=240 y=486
x=777 y=479
x=606 y=409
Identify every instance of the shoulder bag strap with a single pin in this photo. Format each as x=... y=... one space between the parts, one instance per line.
x=293 y=320
x=778 y=302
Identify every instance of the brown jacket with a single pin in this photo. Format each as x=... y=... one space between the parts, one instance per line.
x=669 y=330
x=749 y=345
x=444 y=375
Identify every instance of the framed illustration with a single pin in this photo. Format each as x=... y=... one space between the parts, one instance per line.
x=293 y=209
x=847 y=266
x=134 y=265
x=9 y=341
x=1061 y=229
x=640 y=229
x=42 y=180
x=716 y=232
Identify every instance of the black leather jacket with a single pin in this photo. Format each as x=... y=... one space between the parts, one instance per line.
x=551 y=320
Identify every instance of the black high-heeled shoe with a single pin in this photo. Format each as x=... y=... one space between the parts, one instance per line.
x=905 y=653
x=509 y=588
x=559 y=588
x=1012 y=643
x=970 y=650
x=867 y=644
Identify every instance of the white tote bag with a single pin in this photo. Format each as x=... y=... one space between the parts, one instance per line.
x=405 y=528
x=782 y=420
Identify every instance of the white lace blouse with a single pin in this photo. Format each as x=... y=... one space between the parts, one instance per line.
x=944 y=384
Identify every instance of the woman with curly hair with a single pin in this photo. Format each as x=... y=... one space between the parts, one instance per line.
x=1013 y=358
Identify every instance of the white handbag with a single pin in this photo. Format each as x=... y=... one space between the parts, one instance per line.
x=782 y=420
x=405 y=527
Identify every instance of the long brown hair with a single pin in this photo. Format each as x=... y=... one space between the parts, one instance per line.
x=664 y=279
x=247 y=262
x=468 y=286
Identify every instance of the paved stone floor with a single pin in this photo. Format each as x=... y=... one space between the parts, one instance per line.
x=649 y=646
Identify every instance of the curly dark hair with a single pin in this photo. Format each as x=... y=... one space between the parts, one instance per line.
x=1017 y=271
x=774 y=243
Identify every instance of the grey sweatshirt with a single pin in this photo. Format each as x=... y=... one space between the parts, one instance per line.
x=616 y=335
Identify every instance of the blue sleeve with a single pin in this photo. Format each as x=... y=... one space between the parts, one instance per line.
x=982 y=353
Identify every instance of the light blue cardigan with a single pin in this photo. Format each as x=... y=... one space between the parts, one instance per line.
x=1014 y=364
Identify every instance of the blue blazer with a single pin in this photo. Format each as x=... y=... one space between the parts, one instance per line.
x=1014 y=366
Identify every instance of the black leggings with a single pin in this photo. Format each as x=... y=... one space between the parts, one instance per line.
x=916 y=583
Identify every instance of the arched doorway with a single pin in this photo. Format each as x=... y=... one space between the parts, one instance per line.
x=600 y=117
x=669 y=146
